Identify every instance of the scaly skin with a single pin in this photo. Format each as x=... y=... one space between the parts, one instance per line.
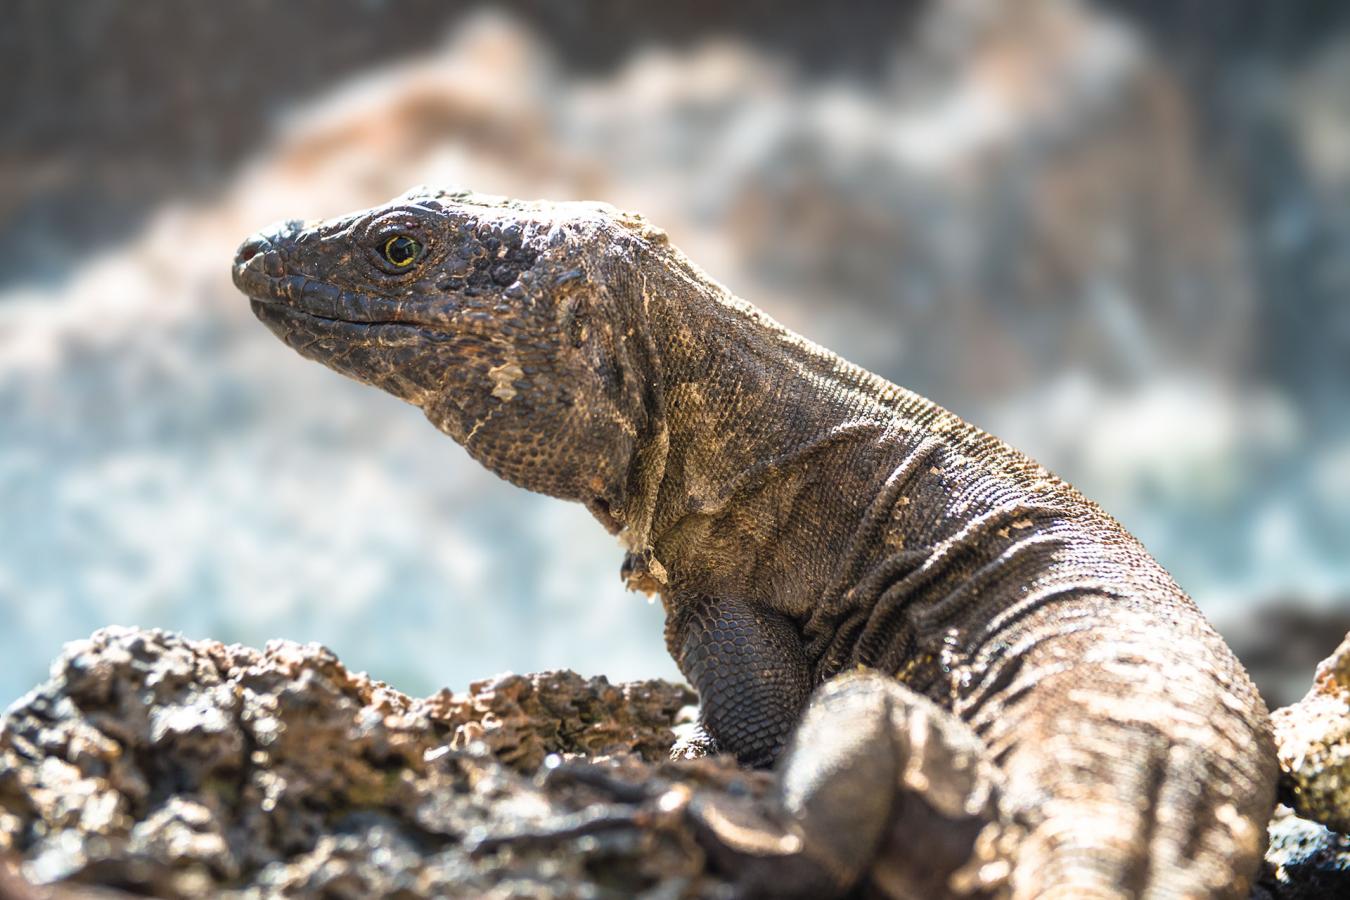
x=801 y=518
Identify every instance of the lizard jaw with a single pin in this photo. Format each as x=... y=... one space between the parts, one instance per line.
x=346 y=330
x=260 y=272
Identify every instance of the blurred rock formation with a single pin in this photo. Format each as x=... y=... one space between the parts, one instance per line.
x=1027 y=209
x=1276 y=640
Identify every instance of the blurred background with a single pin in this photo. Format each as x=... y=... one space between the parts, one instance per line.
x=1115 y=233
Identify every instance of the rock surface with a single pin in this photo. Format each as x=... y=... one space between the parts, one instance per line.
x=175 y=768
x=1305 y=861
x=152 y=764
x=1314 y=740
x=1309 y=854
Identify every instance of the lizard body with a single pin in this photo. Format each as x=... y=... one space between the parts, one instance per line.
x=1034 y=672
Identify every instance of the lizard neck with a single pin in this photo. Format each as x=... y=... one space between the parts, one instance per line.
x=778 y=474
x=763 y=446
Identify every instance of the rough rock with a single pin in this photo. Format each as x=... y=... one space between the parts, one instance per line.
x=1314 y=740
x=149 y=764
x=1309 y=854
x=164 y=766
x=1305 y=861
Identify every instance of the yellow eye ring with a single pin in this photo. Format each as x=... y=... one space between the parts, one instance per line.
x=401 y=251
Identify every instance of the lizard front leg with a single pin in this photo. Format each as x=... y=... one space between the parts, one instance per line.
x=749 y=670
x=877 y=783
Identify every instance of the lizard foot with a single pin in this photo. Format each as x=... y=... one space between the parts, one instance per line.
x=879 y=783
x=693 y=742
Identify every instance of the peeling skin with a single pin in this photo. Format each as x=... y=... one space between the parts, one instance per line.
x=503 y=378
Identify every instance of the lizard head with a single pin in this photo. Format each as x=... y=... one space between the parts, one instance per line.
x=504 y=321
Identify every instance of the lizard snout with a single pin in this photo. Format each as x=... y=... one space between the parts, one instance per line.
x=250 y=248
x=259 y=259
x=256 y=259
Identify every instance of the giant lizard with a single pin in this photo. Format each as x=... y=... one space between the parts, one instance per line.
x=972 y=655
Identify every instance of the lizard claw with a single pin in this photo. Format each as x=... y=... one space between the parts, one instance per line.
x=693 y=742
x=593 y=821
x=769 y=859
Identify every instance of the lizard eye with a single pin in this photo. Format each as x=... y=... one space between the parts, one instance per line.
x=401 y=251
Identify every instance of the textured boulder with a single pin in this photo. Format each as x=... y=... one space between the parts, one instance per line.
x=1314 y=741
x=1309 y=853
x=171 y=767
x=1305 y=861
x=151 y=764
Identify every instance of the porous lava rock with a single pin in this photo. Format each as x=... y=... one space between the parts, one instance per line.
x=149 y=764
x=157 y=765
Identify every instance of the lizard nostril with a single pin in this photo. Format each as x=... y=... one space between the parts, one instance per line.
x=250 y=248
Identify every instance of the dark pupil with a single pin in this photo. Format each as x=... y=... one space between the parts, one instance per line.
x=401 y=250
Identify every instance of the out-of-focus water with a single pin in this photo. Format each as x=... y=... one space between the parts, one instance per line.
x=1028 y=213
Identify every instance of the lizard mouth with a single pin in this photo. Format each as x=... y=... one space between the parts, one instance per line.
x=286 y=300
